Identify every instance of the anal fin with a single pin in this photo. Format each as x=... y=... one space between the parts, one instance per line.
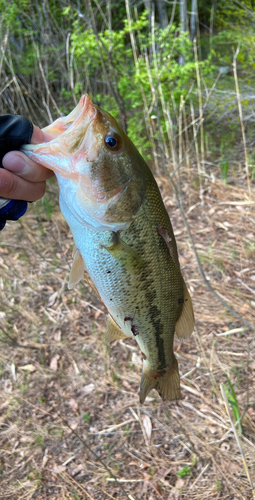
x=113 y=331
x=185 y=324
x=77 y=270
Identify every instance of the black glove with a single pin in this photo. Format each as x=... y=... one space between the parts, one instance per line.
x=15 y=130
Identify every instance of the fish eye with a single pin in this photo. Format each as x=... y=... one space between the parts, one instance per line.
x=112 y=142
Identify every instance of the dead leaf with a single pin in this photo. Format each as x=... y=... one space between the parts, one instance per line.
x=57 y=336
x=136 y=360
x=213 y=429
x=179 y=483
x=45 y=458
x=126 y=384
x=225 y=446
x=52 y=299
x=97 y=314
x=54 y=362
x=251 y=413
x=87 y=389
x=77 y=469
x=58 y=469
x=29 y=368
x=244 y=309
x=73 y=404
x=147 y=425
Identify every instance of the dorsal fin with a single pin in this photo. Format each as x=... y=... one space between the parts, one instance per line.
x=185 y=324
x=77 y=270
x=113 y=331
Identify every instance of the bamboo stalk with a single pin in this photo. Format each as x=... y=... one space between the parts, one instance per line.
x=196 y=149
x=241 y=120
x=200 y=100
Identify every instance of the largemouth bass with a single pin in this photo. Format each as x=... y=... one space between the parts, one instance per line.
x=123 y=236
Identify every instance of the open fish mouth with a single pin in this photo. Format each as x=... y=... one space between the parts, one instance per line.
x=68 y=135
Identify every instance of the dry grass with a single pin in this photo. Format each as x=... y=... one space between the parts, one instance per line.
x=55 y=365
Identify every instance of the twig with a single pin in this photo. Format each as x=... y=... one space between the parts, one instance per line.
x=200 y=475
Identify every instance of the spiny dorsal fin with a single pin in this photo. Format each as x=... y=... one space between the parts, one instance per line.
x=113 y=331
x=77 y=270
x=185 y=324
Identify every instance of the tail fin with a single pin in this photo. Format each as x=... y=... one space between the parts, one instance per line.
x=167 y=384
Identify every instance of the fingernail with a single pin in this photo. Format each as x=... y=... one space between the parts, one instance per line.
x=14 y=163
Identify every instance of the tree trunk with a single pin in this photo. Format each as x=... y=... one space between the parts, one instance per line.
x=193 y=20
x=162 y=12
x=183 y=25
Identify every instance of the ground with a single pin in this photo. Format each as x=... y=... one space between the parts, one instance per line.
x=71 y=423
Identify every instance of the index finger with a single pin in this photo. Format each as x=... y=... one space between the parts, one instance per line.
x=38 y=136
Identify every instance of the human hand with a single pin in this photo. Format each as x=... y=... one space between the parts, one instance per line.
x=22 y=178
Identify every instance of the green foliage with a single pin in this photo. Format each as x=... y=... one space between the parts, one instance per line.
x=231 y=396
x=86 y=417
x=185 y=471
x=133 y=79
x=59 y=51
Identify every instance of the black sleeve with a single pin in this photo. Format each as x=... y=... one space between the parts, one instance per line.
x=15 y=130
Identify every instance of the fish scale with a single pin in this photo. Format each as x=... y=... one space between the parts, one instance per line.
x=124 y=239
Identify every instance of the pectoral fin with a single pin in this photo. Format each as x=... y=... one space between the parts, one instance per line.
x=77 y=270
x=185 y=324
x=113 y=331
x=124 y=254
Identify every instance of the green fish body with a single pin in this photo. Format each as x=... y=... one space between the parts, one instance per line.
x=125 y=242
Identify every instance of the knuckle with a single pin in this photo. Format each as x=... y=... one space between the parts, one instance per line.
x=39 y=191
x=11 y=186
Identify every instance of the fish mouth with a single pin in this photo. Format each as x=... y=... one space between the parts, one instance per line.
x=70 y=135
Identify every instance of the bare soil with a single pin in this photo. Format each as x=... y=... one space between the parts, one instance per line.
x=71 y=426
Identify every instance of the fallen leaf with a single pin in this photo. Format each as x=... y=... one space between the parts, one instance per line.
x=179 y=483
x=45 y=458
x=225 y=446
x=136 y=360
x=97 y=314
x=54 y=362
x=29 y=368
x=147 y=425
x=77 y=469
x=126 y=384
x=73 y=404
x=87 y=389
x=59 y=468
x=57 y=336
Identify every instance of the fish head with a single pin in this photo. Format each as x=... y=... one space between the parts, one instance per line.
x=100 y=172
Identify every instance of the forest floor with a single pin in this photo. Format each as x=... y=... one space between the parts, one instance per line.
x=71 y=426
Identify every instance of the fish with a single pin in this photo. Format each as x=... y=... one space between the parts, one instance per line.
x=124 y=241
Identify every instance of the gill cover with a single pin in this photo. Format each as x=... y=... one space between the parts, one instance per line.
x=100 y=172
